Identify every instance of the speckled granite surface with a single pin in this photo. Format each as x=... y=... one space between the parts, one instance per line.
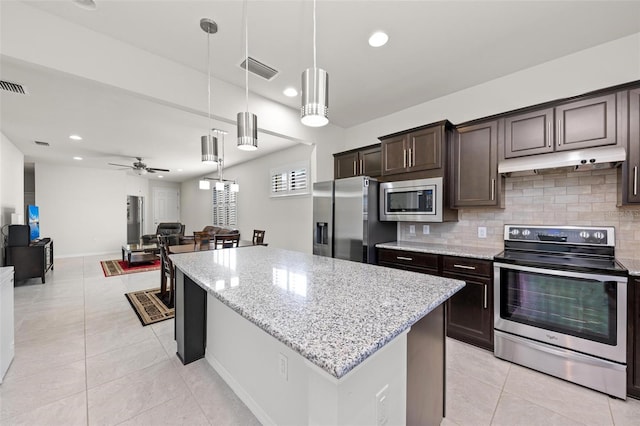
x=463 y=251
x=6 y=272
x=333 y=312
x=632 y=265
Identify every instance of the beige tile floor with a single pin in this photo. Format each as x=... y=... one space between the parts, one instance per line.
x=82 y=358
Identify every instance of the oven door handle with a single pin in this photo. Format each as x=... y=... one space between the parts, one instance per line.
x=586 y=275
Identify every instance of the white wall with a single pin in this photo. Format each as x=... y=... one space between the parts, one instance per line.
x=84 y=210
x=599 y=67
x=287 y=220
x=11 y=184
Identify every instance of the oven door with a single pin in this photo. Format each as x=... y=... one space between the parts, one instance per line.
x=583 y=312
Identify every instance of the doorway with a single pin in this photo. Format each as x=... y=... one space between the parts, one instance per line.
x=135 y=218
x=166 y=205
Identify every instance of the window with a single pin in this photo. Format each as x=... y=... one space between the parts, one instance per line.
x=225 y=206
x=290 y=180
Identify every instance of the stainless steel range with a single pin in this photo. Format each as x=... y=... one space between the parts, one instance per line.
x=561 y=304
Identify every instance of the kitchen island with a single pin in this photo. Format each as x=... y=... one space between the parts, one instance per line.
x=305 y=339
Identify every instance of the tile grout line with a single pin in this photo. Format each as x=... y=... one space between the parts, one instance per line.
x=504 y=383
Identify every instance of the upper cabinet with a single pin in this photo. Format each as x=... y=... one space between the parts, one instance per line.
x=631 y=168
x=358 y=162
x=475 y=166
x=415 y=150
x=579 y=124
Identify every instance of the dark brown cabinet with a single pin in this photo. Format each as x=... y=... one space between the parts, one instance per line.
x=469 y=311
x=631 y=168
x=584 y=123
x=412 y=151
x=475 y=166
x=31 y=261
x=361 y=162
x=633 y=338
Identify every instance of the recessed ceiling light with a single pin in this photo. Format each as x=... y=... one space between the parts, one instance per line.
x=160 y=176
x=179 y=170
x=75 y=137
x=77 y=158
x=378 y=39
x=290 y=92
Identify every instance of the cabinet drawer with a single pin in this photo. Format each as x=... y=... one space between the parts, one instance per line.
x=466 y=265
x=409 y=258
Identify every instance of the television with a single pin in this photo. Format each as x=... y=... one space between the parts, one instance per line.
x=33 y=215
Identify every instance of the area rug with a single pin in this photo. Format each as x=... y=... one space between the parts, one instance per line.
x=119 y=267
x=148 y=306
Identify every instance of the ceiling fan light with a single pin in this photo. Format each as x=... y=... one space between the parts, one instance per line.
x=247 y=131
x=209 y=149
x=204 y=184
x=315 y=97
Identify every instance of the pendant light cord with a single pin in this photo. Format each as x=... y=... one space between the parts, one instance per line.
x=314 y=34
x=246 y=52
x=209 y=81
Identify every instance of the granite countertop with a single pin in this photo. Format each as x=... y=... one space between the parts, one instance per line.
x=335 y=313
x=632 y=265
x=446 y=249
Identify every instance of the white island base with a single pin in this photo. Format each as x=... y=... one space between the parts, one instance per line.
x=401 y=383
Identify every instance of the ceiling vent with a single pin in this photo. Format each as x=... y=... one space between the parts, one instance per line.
x=13 y=87
x=42 y=143
x=258 y=68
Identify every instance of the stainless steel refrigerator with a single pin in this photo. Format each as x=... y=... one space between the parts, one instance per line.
x=135 y=219
x=345 y=219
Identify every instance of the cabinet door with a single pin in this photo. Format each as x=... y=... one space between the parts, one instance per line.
x=394 y=155
x=345 y=165
x=529 y=133
x=371 y=162
x=475 y=165
x=587 y=123
x=424 y=149
x=633 y=338
x=470 y=312
x=633 y=155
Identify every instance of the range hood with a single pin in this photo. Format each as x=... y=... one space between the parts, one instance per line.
x=555 y=162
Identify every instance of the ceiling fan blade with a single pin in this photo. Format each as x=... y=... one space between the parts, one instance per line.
x=120 y=165
x=154 y=169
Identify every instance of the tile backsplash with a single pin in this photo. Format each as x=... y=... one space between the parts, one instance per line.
x=585 y=198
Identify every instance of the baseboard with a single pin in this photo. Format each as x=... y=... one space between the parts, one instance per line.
x=244 y=396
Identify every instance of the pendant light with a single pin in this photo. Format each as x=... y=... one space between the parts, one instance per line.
x=209 y=143
x=315 y=90
x=246 y=121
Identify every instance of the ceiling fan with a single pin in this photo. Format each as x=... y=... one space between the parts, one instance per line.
x=140 y=168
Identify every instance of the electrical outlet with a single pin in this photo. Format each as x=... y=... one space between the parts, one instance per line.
x=482 y=232
x=412 y=229
x=425 y=230
x=283 y=367
x=382 y=406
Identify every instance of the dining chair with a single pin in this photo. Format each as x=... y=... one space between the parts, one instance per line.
x=200 y=238
x=167 y=273
x=258 y=237
x=225 y=240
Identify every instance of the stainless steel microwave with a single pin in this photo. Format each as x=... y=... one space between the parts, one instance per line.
x=418 y=200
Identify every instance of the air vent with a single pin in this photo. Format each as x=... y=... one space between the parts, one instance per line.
x=258 y=68
x=13 y=87
x=42 y=143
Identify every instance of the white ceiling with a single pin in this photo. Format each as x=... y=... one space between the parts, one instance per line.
x=435 y=48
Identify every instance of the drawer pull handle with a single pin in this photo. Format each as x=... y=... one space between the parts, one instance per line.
x=560 y=132
x=493 y=189
x=403 y=258
x=361 y=167
x=635 y=180
x=404 y=158
x=354 y=169
x=549 y=135
x=485 y=296
x=472 y=268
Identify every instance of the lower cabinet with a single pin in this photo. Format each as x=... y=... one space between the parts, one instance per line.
x=633 y=338
x=470 y=311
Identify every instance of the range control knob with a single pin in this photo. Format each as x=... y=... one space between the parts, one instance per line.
x=526 y=232
x=515 y=232
x=584 y=234
x=599 y=235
